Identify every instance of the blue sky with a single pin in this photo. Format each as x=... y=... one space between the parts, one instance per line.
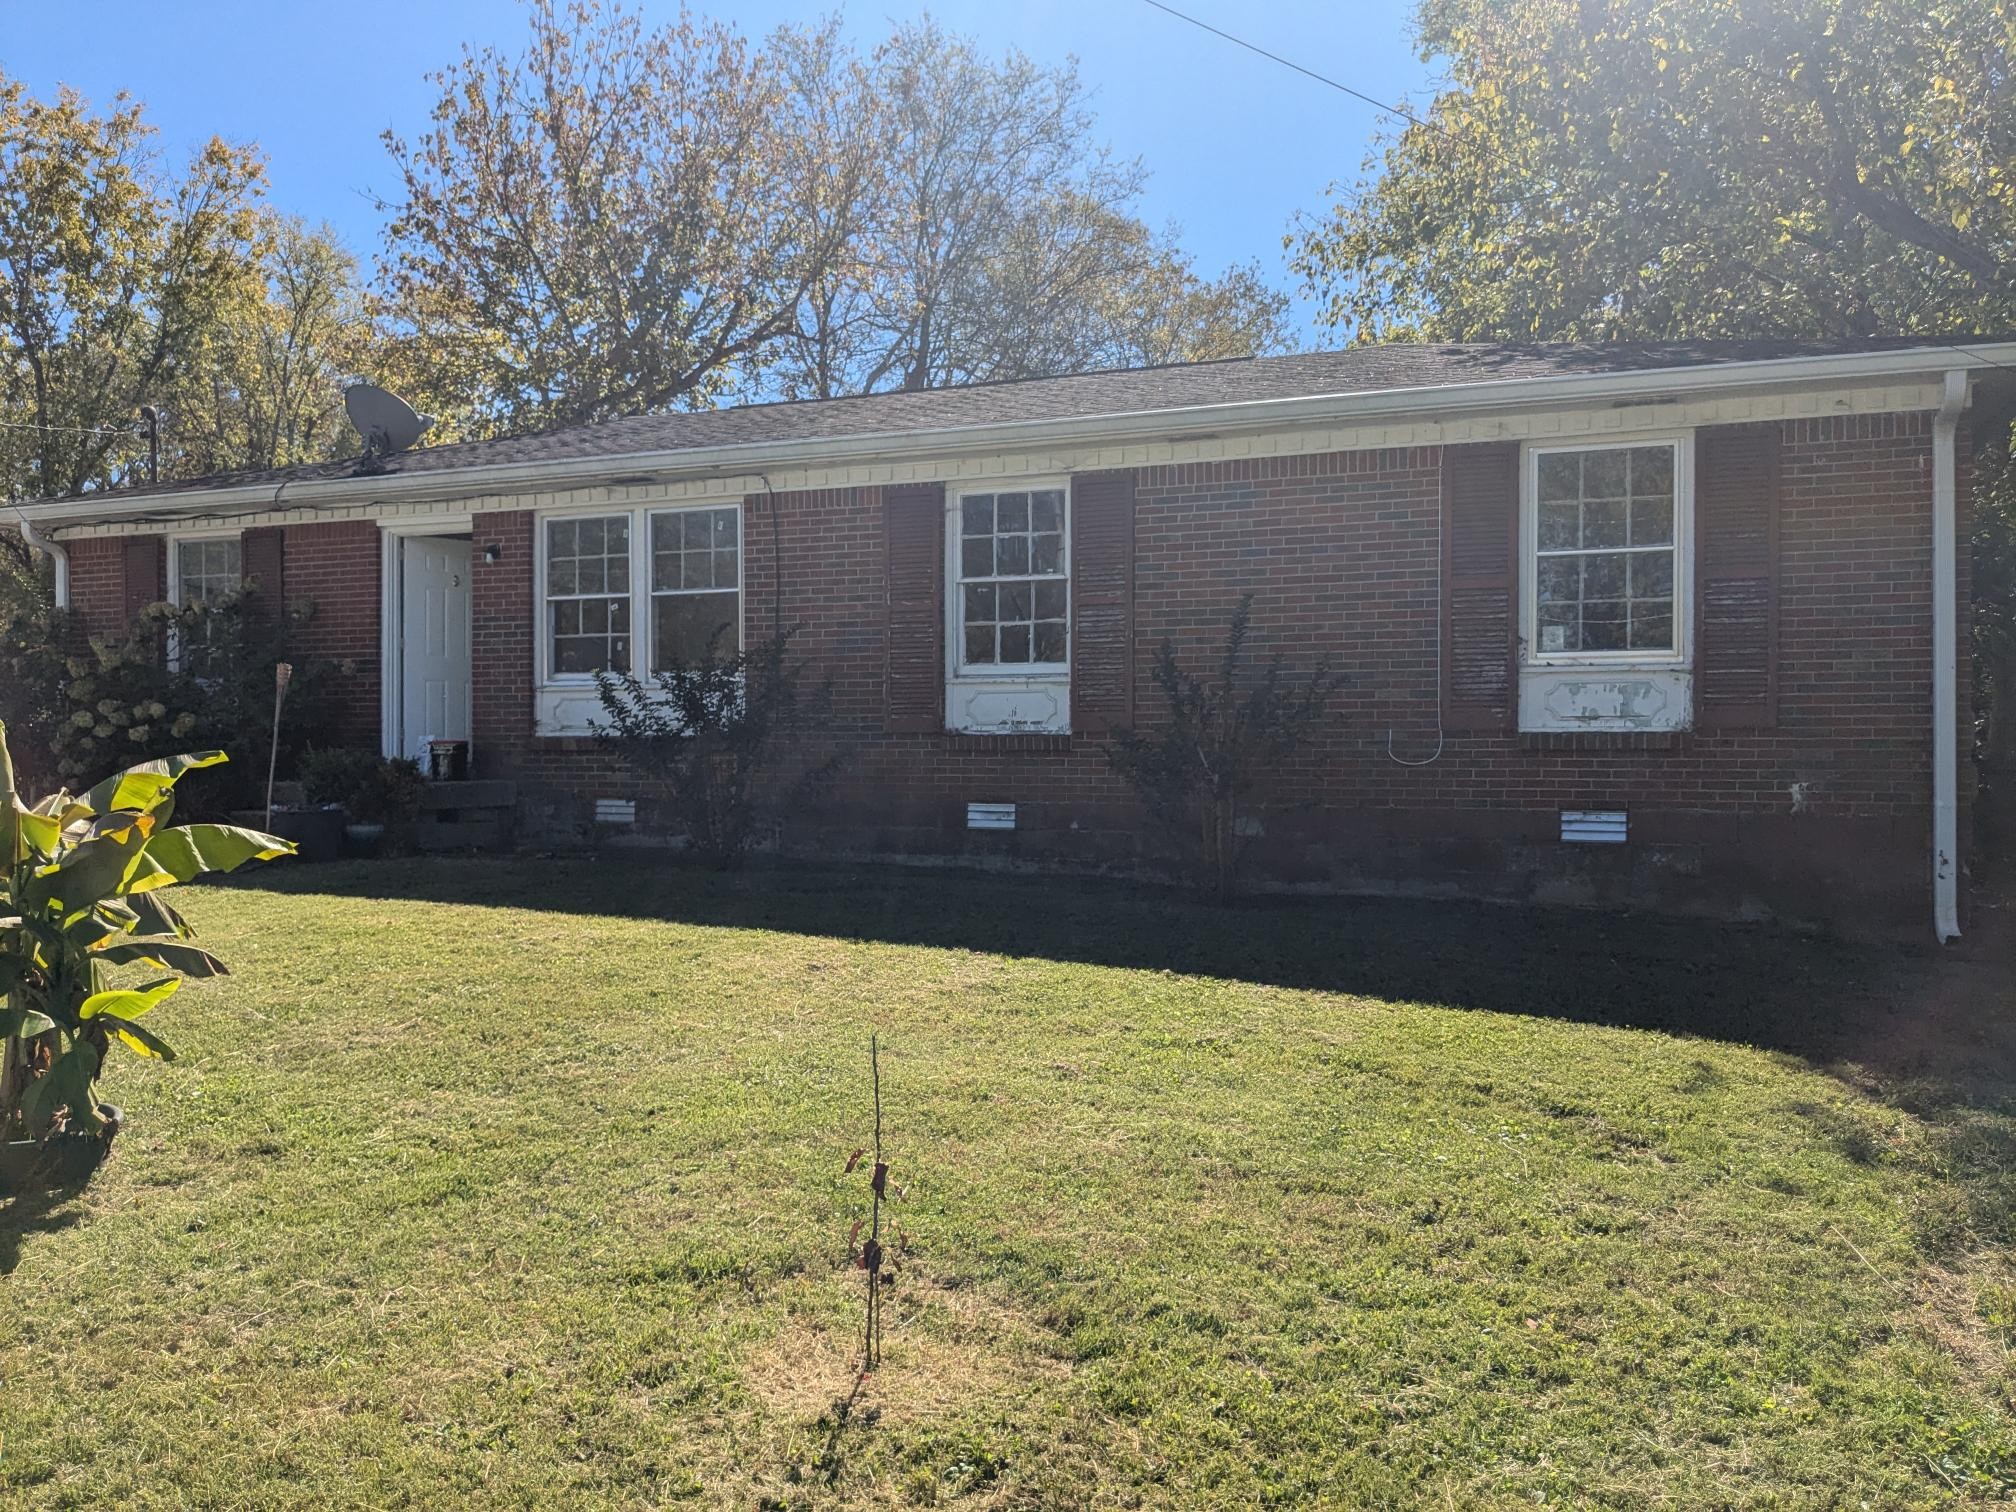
x=1236 y=144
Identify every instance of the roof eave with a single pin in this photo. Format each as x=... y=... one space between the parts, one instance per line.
x=748 y=458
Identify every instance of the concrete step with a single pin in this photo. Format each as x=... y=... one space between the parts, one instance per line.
x=465 y=796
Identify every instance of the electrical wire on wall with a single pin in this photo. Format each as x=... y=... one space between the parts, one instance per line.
x=1440 y=734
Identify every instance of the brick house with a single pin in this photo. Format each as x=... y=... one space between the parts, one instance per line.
x=1672 y=626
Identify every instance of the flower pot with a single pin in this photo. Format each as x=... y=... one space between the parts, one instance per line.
x=363 y=838
x=317 y=833
x=65 y=1159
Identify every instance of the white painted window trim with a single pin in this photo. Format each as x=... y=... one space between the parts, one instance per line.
x=651 y=593
x=1034 y=698
x=176 y=542
x=566 y=703
x=1681 y=656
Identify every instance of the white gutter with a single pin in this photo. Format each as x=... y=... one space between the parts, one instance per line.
x=1945 y=663
x=58 y=554
x=1644 y=385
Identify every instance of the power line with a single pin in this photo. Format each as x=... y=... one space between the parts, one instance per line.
x=1272 y=57
x=74 y=430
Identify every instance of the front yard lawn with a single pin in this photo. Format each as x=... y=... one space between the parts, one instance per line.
x=520 y=1184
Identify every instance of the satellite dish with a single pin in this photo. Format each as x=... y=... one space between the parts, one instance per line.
x=385 y=421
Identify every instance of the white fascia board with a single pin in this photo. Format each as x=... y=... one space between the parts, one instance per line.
x=744 y=458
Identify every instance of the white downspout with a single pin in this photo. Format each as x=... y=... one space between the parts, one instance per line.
x=1945 y=663
x=56 y=552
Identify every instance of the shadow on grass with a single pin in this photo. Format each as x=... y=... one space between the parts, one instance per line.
x=1931 y=1033
x=1901 y=1012
x=35 y=1212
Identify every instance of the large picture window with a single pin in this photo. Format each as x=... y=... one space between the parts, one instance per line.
x=1607 y=525
x=1014 y=584
x=588 y=595
x=696 y=585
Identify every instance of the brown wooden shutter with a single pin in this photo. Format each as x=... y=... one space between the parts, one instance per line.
x=1736 y=576
x=914 y=527
x=143 y=580
x=262 y=557
x=1480 y=597
x=1102 y=601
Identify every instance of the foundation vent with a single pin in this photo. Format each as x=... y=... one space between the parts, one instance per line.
x=1595 y=826
x=990 y=816
x=619 y=812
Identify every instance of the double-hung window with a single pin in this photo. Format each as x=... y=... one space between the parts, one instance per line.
x=1008 y=631
x=588 y=594
x=207 y=571
x=636 y=590
x=696 y=585
x=1014 y=582
x=1607 y=533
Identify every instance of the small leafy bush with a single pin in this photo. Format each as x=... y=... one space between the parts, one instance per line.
x=706 y=738
x=80 y=897
x=1202 y=769
x=371 y=788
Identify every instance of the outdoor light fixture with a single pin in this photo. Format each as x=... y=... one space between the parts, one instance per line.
x=492 y=552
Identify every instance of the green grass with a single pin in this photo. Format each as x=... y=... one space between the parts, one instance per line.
x=519 y=1184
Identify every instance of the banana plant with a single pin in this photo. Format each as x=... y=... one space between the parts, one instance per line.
x=80 y=883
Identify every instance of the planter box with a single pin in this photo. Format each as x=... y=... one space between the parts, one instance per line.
x=317 y=832
x=32 y=1165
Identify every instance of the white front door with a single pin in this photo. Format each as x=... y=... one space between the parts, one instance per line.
x=434 y=642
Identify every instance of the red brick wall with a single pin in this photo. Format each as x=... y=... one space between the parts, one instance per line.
x=337 y=568
x=1825 y=815
x=98 y=586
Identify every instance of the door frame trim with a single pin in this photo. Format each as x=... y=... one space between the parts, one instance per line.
x=392 y=536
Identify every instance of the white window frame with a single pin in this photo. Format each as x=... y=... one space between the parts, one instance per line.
x=174 y=576
x=653 y=593
x=1012 y=698
x=1681 y=656
x=543 y=600
x=566 y=703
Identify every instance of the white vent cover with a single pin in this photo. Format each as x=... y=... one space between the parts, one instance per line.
x=990 y=816
x=618 y=811
x=1595 y=826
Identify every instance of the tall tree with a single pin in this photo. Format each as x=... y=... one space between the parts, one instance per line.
x=1642 y=168
x=997 y=240
x=114 y=276
x=271 y=392
x=620 y=218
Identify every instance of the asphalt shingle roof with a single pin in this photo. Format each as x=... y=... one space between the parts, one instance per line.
x=1355 y=370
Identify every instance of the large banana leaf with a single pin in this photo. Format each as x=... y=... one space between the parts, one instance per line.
x=164 y=951
x=189 y=850
x=120 y=1007
x=141 y=787
x=10 y=815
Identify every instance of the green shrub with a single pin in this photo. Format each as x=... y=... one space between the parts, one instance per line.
x=1204 y=766
x=372 y=789
x=706 y=738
